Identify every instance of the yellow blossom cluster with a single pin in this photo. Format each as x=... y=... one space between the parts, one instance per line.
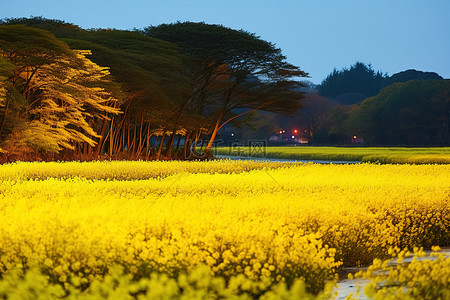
x=127 y=170
x=117 y=284
x=277 y=222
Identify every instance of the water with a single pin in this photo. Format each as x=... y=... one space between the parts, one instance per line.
x=349 y=286
x=268 y=159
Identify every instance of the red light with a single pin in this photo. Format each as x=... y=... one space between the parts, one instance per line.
x=295 y=131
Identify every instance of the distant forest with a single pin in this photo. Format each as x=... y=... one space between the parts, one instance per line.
x=363 y=106
x=173 y=90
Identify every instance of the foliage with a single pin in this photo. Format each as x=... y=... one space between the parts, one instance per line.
x=414 y=113
x=5 y=70
x=40 y=22
x=349 y=86
x=55 y=92
x=153 y=83
x=218 y=45
x=232 y=69
x=313 y=119
x=410 y=75
x=166 y=93
x=256 y=125
x=149 y=67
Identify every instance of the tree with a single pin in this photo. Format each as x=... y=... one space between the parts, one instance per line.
x=56 y=93
x=415 y=112
x=255 y=125
x=311 y=120
x=353 y=85
x=5 y=69
x=232 y=69
x=410 y=74
x=152 y=76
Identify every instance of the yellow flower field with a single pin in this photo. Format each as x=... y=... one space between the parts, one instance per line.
x=267 y=222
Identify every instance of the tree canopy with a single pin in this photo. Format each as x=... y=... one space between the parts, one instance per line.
x=411 y=74
x=415 y=112
x=53 y=91
x=349 y=86
x=373 y=121
x=184 y=79
x=232 y=69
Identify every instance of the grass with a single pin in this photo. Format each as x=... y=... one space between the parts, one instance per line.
x=385 y=155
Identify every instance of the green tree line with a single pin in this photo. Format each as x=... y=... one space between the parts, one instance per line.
x=363 y=106
x=71 y=93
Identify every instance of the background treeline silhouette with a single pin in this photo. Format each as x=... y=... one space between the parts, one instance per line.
x=358 y=105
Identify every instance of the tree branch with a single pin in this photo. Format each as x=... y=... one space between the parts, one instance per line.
x=240 y=115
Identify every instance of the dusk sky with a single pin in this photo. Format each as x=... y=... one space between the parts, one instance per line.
x=316 y=35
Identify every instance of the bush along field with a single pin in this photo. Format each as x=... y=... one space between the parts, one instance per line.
x=385 y=155
x=221 y=229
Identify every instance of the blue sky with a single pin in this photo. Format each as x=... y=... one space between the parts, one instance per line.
x=392 y=35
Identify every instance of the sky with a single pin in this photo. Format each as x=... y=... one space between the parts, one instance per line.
x=316 y=35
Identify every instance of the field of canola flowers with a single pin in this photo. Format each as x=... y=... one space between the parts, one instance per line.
x=227 y=229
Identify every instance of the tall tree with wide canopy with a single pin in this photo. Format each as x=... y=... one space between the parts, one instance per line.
x=152 y=74
x=232 y=69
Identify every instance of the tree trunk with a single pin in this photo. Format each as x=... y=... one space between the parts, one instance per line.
x=128 y=137
x=111 y=138
x=132 y=147
x=147 y=140
x=170 y=143
x=99 y=147
x=4 y=118
x=141 y=140
x=218 y=126
x=186 y=149
x=214 y=133
x=203 y=144
x=122 y=144
x=196 y=136
x=178 y=142
x=160 y=146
